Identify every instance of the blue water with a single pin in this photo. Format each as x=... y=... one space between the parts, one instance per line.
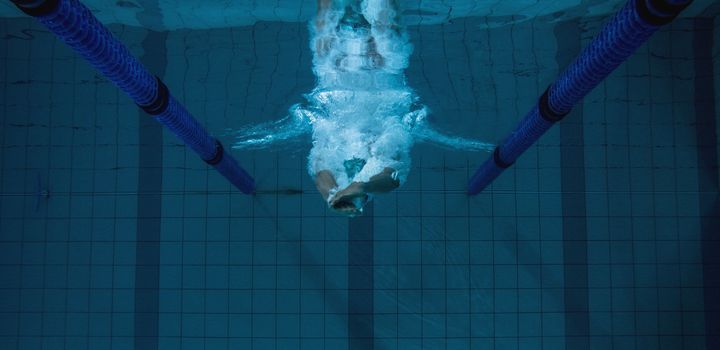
x=604 y=235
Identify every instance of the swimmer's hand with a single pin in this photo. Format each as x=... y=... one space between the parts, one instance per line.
x=350 y=200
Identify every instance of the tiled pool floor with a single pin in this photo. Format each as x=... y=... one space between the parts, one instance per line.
x=604 y=235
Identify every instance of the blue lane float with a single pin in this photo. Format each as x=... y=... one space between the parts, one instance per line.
x=629 y=29
x=72 y=22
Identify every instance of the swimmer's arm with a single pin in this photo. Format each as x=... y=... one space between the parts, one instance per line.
x=327 y=186
x=325 y=182
x=382 y=182
x=344 y=200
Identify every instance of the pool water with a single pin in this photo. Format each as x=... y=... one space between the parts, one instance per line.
x=604 y=235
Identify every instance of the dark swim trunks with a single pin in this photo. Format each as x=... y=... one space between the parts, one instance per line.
x=353 y=166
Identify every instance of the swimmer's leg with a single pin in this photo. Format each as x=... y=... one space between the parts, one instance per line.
x=323 y=6
x=382 y=14
x=323 y=41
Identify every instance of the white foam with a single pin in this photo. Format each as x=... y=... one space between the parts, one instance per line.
x=361 y=108
x=367 y=125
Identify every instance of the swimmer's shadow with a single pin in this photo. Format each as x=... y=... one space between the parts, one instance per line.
x=279 y=192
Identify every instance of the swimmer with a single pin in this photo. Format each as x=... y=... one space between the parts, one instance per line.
x=362 y=115
x=359 y=54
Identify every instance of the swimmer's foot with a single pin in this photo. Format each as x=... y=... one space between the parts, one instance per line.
x=350 y=200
